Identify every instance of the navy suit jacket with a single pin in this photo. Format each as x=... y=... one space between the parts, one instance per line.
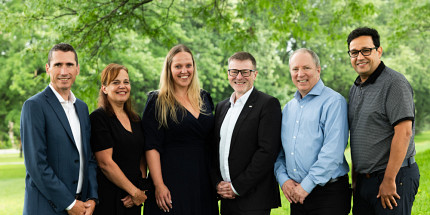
x=255 y=145
x=51 y=156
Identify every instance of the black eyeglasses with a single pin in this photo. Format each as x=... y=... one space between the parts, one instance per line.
x=244 y=72
x=364 y=52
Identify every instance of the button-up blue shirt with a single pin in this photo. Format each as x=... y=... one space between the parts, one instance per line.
x=314 y=135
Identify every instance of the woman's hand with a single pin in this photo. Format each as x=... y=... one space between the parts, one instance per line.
x=128 y=203
x=139 y=197
x=163 y=198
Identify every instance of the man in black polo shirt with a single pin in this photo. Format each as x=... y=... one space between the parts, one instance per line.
x=381 y=115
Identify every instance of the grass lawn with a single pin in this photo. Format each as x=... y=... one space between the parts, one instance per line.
x=12 y=174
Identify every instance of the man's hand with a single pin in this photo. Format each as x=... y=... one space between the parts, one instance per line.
x=299 y=194
x=288 y=189
x=387 y=193
x=89 y=207
x=77 y=209
x=225 y=190
x=399 y=147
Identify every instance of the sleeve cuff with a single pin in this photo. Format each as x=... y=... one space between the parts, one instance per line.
x=308 y=185
x=71 y=205
x=282 y=178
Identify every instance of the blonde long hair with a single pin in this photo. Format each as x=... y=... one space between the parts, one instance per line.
x=166 y=104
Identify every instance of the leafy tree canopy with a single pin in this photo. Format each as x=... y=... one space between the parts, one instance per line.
x=138 y=34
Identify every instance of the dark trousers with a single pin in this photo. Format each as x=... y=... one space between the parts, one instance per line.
x=331 y=199
x=367 y=188
x=237 y=211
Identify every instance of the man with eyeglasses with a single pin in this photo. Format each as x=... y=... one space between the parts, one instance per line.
x=246 y=143
x=381 y=116
x=311 y=167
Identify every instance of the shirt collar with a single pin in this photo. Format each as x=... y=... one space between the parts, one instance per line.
x=72 y=97
x=316 y=90
x=372 y=78
x=242 y=99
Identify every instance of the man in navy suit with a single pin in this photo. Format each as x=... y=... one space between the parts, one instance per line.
x=247 y=142
x=55 y=133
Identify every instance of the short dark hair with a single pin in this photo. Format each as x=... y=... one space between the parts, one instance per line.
x=242 y=56
x=364 y=31
x=62 y=47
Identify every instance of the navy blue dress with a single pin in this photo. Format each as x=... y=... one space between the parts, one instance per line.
x=184 y=157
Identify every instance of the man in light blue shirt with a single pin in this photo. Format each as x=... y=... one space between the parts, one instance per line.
x=311 y=167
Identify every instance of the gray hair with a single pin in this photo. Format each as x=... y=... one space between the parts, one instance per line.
x=315 y=57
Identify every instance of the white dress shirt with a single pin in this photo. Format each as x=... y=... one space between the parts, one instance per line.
x=226 y=133
x=72 y=117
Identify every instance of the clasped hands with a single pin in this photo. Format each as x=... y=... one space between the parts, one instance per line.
x=294 y=192
x=225 y=190
x=137 y=199
x=83 y=208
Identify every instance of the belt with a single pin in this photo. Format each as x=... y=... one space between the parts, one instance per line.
x=336 y=179
x=406 y=162
x=78 y=196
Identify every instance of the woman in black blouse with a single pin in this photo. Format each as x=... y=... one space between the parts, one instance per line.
x=117 y=143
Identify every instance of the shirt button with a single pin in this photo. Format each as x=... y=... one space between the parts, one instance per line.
x=292 y=153
x=294 y=170
x=297 y=122
x=294 y=137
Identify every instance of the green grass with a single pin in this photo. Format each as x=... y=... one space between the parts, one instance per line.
x=12 y=174
x=12 y=171
x=11 y=196
x=422 y=198
x=11 y=184
x=7 y=158
x=423 y=137
x=422 y=141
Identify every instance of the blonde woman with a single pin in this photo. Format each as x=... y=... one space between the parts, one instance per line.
x=177 y=123
x=117 y=143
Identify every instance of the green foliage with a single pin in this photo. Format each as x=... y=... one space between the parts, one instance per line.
x=408 y=43
x=138 y=34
